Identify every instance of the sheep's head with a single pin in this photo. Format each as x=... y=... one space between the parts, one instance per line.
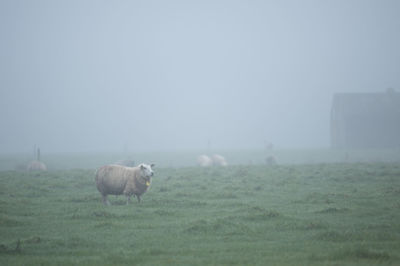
x=146 y=172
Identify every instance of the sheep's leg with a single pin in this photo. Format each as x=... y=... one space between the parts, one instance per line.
x=128 y=199
x=105 y=200
x=138 y=198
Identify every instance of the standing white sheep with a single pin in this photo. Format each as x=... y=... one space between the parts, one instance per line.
x=118 y=180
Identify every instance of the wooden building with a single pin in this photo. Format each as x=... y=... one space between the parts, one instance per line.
x=365 y=120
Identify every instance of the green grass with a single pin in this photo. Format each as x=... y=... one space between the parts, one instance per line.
x=320 y=214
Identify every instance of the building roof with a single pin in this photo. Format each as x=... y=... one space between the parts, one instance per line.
x=366 y=103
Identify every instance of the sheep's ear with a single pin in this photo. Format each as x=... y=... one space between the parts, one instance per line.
x=142 y=166
x=152 y=165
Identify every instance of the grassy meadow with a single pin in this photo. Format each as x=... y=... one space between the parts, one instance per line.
x=187 y=158
x=294 y=214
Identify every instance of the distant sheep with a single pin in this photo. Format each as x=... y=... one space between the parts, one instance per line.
x=36 y=166
x=204 y=161
x=118 y=180
x=219 y=160
x=216 y=160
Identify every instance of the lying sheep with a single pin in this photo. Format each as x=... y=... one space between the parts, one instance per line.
x=204 y=161
x=216 y=160
x=36 y=166
x=118 y=180
x=219 y=160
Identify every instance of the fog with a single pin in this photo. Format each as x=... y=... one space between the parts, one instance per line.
x=80 y=76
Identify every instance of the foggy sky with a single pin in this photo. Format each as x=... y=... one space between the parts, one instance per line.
x=165 y=75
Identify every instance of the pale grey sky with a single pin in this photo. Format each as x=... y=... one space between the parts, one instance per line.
x=165 y=75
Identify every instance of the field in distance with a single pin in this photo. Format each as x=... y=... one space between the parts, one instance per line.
x=188 y=158
x=320 y=214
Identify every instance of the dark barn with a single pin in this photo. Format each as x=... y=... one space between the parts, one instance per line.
x=366 y=120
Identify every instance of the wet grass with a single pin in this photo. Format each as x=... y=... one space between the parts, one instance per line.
x=321 y=214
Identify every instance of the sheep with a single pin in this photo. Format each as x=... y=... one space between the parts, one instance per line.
x=117 y=180
x=215 y=160
x=219 y=160
x=36 y=166
x=204 y=161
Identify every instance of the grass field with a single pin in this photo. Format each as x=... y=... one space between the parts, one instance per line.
x=92 y=160
x=316 y=214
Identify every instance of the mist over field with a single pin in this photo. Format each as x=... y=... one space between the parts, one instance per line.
x=273 y=126
x=83 y=76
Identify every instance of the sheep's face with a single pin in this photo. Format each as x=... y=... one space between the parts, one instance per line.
x=146 y=172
